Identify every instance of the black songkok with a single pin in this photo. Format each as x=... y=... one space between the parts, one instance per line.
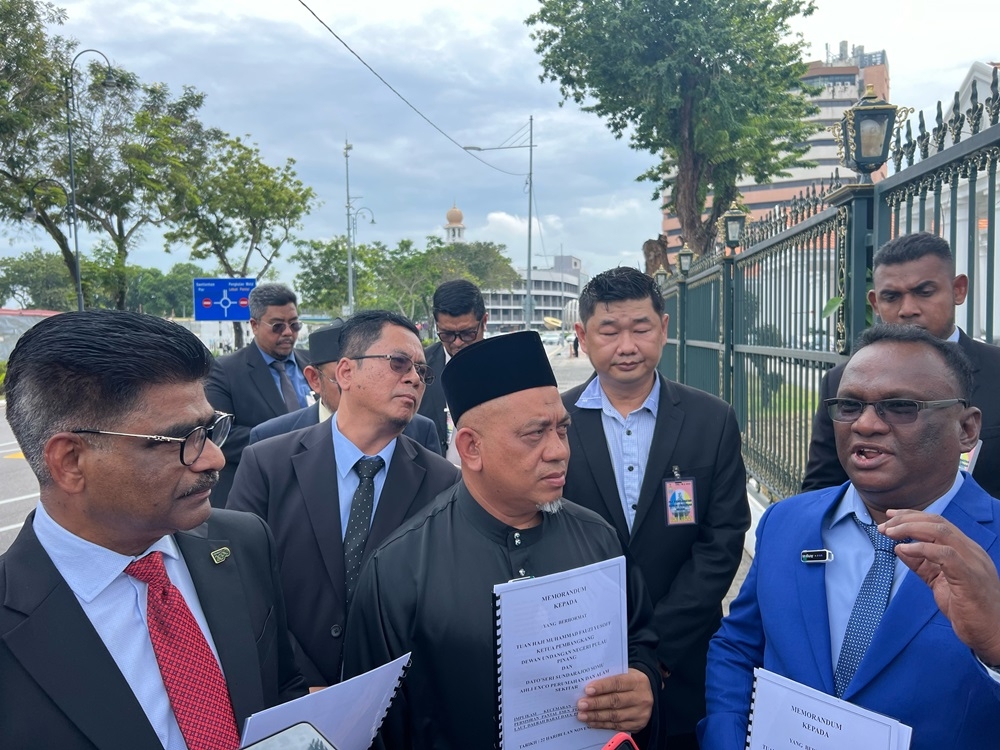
x=495 y=367
x=324 y=343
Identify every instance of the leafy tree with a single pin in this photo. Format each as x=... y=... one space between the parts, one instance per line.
x=322 y=278
x=240 y=211
x=37 y=280
x=711 y=87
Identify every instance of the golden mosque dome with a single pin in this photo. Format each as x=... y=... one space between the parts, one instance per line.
x=454 y=215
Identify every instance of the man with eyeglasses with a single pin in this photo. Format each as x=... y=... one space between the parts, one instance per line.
x=324 y=353
x=132 y=614
x=915 y=284
x=460 y=318
x=332 y=492
x=830 y=600
x=262 y=380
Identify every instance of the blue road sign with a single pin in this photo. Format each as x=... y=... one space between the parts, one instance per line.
x=222 y=299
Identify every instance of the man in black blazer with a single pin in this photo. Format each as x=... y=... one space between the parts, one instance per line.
x=661 y=462
x=263 y=379
x=324 y=353
x=89 y=396
x=460 y=318
x=303 y=485
x=914 y=283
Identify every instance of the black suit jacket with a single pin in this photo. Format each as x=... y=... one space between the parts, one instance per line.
x=291 y=482
x=434 y=402
x=241 y=384
x=59 y=685
x=688 y=569
x=824 y=468
x=419 y=429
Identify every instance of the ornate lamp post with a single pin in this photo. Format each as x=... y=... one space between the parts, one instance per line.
x=733 y=222
x=109 y=82
x=865 y=132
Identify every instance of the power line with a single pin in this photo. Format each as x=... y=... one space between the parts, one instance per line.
x=402 y=98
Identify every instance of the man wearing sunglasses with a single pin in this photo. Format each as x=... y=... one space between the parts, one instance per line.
x=327 y=509
x=848 y=592
x=915 y=284
x=125 y=593
x=262 y=380
x=460 y=318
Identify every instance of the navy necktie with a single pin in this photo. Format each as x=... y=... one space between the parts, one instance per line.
x=868 y=607
x=360 y=520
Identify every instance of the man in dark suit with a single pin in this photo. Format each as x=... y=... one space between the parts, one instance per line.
x=263 y=379
x=638 y=440
x=110 y=411
x=859 y=626
x=460 y=318
x=307 y=484
x=915 y=284
x=324 y=353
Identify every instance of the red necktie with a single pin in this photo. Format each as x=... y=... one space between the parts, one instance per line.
x=191 y=675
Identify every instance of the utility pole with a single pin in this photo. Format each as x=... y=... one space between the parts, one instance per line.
x=530 y=301
x=350 y=238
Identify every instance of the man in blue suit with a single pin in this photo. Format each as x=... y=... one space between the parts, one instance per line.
x=324 y=353
x=920 y=663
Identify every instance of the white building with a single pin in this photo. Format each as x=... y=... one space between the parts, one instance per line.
x=555 y=292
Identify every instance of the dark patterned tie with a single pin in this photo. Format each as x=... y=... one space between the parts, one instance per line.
x=195 y=686
x=360 y=520
x=868 y=607
x=288 y=394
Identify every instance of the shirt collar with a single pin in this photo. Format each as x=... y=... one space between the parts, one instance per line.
x=594 y=397
x=86 y=567
x=851 y=502
x=955 y=335
x=347 y=453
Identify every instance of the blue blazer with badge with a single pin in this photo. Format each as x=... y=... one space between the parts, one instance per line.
x=420 y=429
x=916 y=670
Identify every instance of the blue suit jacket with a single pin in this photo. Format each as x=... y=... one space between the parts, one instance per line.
x=420 y=429
x=916 y=670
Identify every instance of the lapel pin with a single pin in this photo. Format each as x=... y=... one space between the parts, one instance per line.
x=816 y=556
x=219 y=555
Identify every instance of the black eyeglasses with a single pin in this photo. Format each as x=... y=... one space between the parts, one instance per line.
x=401 y=364
x=279 y=328
x=468 y=335
x=192 y=444
x=889 y=410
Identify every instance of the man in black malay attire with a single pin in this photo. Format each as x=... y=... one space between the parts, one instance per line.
x=429 y=587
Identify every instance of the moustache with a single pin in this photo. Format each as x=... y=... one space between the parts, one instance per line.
x=206 y=481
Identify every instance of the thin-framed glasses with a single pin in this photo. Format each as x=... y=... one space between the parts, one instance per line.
x=889 y=410
x=191 y=445
x=401 y=364
x=468 y=335
x=279 y=328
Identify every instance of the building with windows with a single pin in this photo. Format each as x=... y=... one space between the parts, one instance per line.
x=555 y=292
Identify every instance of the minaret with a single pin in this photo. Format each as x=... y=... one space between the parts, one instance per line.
x=454 y=229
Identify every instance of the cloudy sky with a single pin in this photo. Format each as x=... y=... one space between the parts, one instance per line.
x=272 y=71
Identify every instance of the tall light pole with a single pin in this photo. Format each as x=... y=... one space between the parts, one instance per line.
x=529 y=306
x=109 y=82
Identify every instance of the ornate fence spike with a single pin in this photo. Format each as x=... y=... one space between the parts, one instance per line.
x=993 y=103
x=910 y=146
x=897 y=152
x=924 y=138
x=975 y=110
x=957 y=121
x=940 y=132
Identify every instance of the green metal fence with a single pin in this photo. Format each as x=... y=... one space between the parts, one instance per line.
x=750 y=327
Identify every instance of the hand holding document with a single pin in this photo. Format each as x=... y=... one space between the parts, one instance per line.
x=348 y=714
x=787 y=714
x=554 y=635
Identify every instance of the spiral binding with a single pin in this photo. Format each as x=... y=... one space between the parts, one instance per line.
x=395 y=692
x=753 y=700
x=499 y=647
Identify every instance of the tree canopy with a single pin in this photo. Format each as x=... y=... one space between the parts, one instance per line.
x=711 y=87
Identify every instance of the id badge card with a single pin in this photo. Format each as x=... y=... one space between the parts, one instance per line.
x=680 y=499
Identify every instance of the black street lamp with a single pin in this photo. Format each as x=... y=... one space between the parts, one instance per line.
x=733 y=221
x=109 y=82
x=865 y=132
x=685 y=257
x=661 y=275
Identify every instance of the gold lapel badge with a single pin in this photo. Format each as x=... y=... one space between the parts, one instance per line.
x=219 y=555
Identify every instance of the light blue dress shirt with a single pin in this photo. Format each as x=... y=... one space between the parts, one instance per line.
x=115 y=603
x=347 y=454
x=853 y=555
x=628 y=440
x=299 y=382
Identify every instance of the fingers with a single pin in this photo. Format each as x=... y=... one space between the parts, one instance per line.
x=622 y=702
